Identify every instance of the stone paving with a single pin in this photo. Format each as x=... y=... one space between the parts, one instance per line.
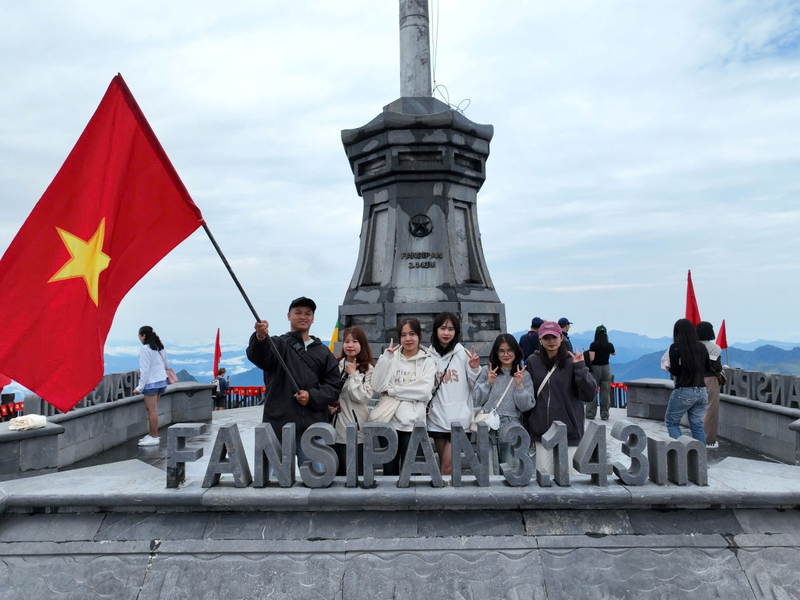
x=113 y=530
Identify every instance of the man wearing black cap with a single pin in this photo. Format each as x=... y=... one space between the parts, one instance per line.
x=311 y=364
x=529 y=342
x=565 y=324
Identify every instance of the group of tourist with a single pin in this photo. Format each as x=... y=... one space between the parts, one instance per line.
x=532 y=383
x=437 y=384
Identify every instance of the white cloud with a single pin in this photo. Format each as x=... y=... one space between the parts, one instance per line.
x=633 y=141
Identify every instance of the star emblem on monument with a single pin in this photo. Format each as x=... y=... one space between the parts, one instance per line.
x=87 y=260
x=420 y=226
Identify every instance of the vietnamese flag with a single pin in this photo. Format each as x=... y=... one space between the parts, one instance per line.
x=692 y=312
x=4 y=381
x=217 y=355
x=722 y=337
x=115 y=209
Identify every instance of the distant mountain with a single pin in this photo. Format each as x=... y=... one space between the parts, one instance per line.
x=647 y=366
x=254 y=376
x=184 y=375
x=629 y=346
x=637 y=356
x=760 y=343
x=767 y=359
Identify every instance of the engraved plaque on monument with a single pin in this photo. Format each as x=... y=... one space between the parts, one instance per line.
x=418 y=167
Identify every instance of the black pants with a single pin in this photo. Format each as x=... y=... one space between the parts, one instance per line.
x=341 y=452
x=393 y=466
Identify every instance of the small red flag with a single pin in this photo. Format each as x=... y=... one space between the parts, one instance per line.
x=217 y=354
x=114 y=210
x=722 y=336
x=692 y=312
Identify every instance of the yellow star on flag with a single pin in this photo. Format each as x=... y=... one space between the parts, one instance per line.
x=88 y=259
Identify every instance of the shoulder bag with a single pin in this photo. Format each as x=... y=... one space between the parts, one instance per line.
x=171 y=377
x=491 y=418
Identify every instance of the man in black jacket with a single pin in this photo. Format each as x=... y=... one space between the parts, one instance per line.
x=529 y=342
x=311 y=364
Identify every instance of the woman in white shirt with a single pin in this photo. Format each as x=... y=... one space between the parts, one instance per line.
x=152 y=379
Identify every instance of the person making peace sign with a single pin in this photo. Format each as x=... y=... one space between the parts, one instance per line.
x=504 y=378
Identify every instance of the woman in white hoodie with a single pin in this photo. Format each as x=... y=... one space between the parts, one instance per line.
x=457 y=370
x=405 y=372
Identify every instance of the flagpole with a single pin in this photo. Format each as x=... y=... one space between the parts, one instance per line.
x=251 y=307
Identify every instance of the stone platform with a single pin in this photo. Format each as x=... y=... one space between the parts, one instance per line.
x=113 y=530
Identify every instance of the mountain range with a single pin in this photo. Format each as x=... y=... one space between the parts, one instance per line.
x=637 y=356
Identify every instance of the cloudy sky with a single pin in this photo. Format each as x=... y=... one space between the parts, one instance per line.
x=633 y=141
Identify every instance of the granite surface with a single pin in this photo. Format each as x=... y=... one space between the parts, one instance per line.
x=116 y=531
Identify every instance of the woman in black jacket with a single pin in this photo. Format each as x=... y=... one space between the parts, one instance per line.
x=688 y=362
x=562 y=385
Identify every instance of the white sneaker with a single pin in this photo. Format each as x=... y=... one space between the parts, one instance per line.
x=149 y=440
x=713 y=446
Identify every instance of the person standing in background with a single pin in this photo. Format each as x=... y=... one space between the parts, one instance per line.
x=223 y=384
x=565 y=324
x=688 y=362
x=599 y=352
x=705 y=332
x=529 y=342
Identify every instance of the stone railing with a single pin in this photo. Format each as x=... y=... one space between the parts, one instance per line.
x=759 y=411
x=113 y=387
x=84 y=432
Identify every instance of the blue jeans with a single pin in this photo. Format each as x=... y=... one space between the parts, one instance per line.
x=691 y=400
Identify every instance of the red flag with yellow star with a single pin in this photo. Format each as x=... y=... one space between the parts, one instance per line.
x=114 y=210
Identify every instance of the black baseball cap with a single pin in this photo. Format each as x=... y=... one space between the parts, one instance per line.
x=564 y=321
x=303 y=301
x=537 y=322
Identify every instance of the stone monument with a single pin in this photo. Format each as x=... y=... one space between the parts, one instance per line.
x=418 y=166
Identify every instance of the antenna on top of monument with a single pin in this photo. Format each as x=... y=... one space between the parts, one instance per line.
x=415 y=49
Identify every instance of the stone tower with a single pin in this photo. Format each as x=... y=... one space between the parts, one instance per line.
x=418 y=166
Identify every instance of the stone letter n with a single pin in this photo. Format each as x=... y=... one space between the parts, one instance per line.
x=270 y=453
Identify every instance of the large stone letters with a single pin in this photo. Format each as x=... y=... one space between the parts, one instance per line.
x=375 y=455
x=634 y=444
x=772 y=388
x=428 y=466
x=228 y=457
x=555 y=440
x=478 y=460
x=591 y=455
x=662 y=461
x=316 y=442
x=520 y=472
x=177 y=452
x=678 y=461
x=274 y=456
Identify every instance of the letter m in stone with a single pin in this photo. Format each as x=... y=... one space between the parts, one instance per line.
x=678 y=461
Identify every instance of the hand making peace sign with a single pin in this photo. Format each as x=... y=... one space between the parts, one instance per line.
x=474 y=359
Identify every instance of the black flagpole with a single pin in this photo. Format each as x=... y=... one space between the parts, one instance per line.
x=252 y=308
